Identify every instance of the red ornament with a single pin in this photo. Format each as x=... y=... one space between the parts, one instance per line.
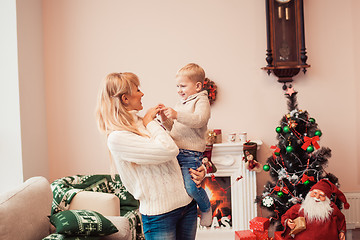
x=283 y=189
x=308 y=141
x=238 y=178
x=276 y=152
x=306 y=177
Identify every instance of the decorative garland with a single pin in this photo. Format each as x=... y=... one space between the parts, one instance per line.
x=224 y=190
x=211 y=88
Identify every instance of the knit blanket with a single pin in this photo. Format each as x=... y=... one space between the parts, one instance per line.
x=64 y=189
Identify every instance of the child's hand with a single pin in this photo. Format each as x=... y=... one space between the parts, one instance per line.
x=161 y=112
x=170 y=113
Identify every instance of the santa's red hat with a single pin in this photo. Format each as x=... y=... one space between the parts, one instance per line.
x=329 y=188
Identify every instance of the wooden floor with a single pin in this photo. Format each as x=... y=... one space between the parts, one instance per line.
x=355 y=235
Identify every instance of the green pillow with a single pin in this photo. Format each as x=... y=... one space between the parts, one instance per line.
x=58 y=236
x=82 y=222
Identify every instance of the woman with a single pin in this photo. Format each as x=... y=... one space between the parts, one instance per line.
x=145 y=157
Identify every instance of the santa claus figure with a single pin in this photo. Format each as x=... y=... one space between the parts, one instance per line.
x=323 y=219
x=251 y=163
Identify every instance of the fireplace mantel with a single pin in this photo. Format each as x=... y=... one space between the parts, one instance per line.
x=225 y=154
x=228 y=159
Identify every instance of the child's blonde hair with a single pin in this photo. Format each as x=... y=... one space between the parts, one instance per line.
x=111 y=114
x=193 y=71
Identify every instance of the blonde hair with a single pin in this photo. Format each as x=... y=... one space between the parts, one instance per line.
x=193 y=71
x=111 y=114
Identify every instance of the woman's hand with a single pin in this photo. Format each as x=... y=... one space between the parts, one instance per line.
x=161 y=112
x=198 y=175
x=150 y=115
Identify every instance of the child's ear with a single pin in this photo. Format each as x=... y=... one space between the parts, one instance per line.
x=198 y=86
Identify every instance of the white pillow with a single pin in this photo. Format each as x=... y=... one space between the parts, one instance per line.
x=105 y=203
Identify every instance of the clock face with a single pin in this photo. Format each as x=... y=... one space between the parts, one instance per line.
x=283 y=1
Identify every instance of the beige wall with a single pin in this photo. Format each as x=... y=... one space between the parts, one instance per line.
x=84 y=40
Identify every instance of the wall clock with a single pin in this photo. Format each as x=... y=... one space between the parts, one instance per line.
x=286 y=52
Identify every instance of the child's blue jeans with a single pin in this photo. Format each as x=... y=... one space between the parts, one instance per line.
x=193 y=159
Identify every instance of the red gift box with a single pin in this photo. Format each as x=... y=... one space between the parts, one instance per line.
x=261 y=235
x=259 y=223
x=245 y=235
x=277 y=236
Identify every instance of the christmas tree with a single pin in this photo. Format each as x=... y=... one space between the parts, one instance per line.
x=297 y=162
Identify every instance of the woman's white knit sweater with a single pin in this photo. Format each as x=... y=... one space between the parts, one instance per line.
x=148 y=168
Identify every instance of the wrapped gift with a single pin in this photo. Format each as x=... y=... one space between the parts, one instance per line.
x=277 y=236
x=261 y=235
x=259 y=224
x=245 y=234
x=300 y=225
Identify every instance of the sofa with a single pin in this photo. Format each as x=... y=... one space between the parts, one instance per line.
x=25 y=211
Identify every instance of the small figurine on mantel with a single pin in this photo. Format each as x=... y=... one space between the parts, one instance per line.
x=251 y=164
x=323 y=219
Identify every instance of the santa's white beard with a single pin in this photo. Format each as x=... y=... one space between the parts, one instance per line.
x=316 y=210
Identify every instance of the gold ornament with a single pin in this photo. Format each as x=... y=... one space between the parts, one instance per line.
x=210 y=137
x=292 y=123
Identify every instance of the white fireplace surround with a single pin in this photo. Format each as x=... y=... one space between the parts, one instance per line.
x=228 y=159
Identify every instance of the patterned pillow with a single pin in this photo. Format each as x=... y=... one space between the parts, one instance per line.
x=82 y=222
x=58 y=236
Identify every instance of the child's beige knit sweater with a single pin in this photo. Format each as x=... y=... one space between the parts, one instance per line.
x=189 y=130
x=148 y=168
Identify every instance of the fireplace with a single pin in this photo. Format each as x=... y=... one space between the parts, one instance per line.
x=231 y=190
x=217 y=189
